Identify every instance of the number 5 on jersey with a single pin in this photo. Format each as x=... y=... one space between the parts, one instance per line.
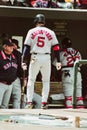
x=40 y=42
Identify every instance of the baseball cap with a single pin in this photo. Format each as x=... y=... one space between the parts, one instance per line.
x=7 y=42
x=14 y=41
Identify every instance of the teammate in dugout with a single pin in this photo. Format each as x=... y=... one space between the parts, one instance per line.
x=40 y=40
x=8 y=72
x=68 y=56
x=16 y=90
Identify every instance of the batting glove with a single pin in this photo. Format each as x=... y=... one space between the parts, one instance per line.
x=58 y=65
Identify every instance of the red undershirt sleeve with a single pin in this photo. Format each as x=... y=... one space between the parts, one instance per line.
x=56 y=49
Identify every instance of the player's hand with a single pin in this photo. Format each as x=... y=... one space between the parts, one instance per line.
x=58 y=65
x=24 y=66
x=25 y=82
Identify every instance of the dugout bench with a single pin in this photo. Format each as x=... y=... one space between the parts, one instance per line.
x=55 y=88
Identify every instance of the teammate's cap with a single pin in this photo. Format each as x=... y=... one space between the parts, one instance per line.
x=14 y=41
x=7 y=42
x=39 y=18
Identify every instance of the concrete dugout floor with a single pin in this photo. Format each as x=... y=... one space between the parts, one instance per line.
x=82 y=113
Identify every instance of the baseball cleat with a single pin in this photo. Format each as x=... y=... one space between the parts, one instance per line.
x=44 y=105
x=29 y=106
x=80 y=103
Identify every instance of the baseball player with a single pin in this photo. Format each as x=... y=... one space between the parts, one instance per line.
x=16 y=90
x=8 y=72
x=40 y=40
x=68 y=56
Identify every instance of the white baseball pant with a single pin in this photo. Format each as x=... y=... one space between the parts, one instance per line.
x=42 y=63
x=5 y=94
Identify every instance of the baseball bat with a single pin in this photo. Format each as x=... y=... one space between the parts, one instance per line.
x=23 y=87
x=52 y=117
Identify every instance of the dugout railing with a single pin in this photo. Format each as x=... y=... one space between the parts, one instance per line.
x=77 y=63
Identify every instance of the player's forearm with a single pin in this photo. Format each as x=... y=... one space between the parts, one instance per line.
x=57 y=52
x=26 y=52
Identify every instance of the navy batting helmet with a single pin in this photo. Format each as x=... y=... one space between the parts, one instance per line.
x=39 y=18
x=66 y=42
